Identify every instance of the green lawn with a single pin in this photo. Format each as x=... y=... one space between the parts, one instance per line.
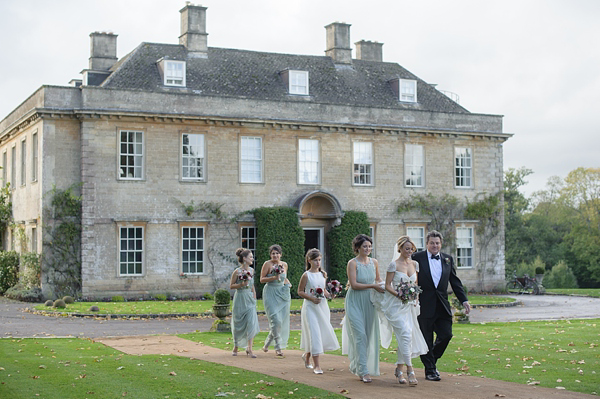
x=199 y=307
x=593 y=292
x=550 y=354
x=78 y=368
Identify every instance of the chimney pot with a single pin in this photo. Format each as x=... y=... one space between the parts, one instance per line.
x=338 y=43
x=103 y=51
x=367 y=50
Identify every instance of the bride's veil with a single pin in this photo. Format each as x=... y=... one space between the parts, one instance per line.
x=396 y=254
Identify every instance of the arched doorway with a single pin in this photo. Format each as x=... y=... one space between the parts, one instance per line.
x=319 y=211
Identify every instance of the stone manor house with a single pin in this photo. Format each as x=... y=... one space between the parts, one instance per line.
x=169 y=127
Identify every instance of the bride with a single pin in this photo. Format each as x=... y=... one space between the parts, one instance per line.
x=400 y=318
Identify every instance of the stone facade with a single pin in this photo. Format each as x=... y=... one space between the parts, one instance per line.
x=80 y=138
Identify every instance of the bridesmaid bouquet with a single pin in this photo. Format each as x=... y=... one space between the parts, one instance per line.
x=408 y=291
x=334 y=287
x=244 y=275
x=278 y=269
x=317 y=292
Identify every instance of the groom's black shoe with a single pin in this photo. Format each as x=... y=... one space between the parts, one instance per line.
x=432 y=375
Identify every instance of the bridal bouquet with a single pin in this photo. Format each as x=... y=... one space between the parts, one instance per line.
x=408 y=291
x=334 y=287
x=244 y=275
x=317 y=292
x=278 y=269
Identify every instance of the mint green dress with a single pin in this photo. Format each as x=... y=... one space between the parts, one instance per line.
x=244 y=320
x=361 y=325
x=277 y=300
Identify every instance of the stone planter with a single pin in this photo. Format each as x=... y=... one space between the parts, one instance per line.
x=221 y=311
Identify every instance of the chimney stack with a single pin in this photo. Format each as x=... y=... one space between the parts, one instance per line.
x=193 y=30
x=103 y=51
x=367 y=50
x=338 y=43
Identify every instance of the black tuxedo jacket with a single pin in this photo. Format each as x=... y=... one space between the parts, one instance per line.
x=434 y=301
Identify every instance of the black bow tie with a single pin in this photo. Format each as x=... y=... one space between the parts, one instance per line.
x=436 y=257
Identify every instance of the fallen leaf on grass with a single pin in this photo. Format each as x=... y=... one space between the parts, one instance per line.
x=533 y=383
x=172 y=373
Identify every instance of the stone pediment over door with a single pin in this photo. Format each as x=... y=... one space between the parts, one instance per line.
x=319 y=205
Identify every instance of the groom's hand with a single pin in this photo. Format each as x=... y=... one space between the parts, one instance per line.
x=467 y=307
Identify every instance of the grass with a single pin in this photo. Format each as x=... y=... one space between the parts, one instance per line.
x=79 y=368
x=182 y=307
x=555 y=354
x=593 y=292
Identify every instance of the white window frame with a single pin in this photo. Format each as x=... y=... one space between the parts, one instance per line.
x=134 y=247
x=191 y=162
x=414 y=161
x=463 y=167
x=13 y=167
x=309 y=164
x=174 y=73
x=363 y=165
x=251 y=160
x=190 y=251
x=417 y=235
x=298 y=82
x=464 y=247
x=34 y=157
x=407 y=90
x=23 y=162
x=134 y=153
x=248 y=238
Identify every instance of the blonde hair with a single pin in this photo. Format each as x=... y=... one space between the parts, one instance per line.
x=403 y=240
x=313 y=254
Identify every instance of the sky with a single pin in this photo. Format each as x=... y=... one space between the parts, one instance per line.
x=536 y=62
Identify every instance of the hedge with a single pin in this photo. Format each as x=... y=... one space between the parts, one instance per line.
x=340 y=239
x=9 y=270
x=279 y=225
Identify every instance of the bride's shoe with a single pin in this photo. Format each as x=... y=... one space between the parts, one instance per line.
x=306 y=361
x=400 y=376
x=412 y=380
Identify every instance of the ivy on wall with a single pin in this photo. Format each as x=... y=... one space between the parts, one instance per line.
x=61 y=264
x=340 y=239
x=279 y=225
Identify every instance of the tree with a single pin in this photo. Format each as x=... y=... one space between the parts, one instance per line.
x=515 y=205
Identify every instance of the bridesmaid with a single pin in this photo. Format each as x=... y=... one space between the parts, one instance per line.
x=361 y=324
x=244 y=320
x=277 y=299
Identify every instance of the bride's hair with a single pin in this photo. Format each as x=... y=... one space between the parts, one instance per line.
x=313 y=254
x=403 y=240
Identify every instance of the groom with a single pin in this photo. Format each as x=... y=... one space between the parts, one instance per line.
x=436 y=270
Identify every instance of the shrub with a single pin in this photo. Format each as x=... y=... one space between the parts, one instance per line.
x=160 y=297
x=539 y=270
x=21 y=293
x=9 y=270
x=94 y=308
x=208 y=296
x=222 y=296
x=117 y=298
x=30 y=270
x=68 y=299
x=59 y=304
x=279 y=225
x=340 y=243
x=560 y=276
x=49 y=302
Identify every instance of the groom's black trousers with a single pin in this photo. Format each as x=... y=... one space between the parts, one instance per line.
x=441 y=325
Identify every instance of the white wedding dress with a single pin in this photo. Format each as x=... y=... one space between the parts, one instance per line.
x=400 y=319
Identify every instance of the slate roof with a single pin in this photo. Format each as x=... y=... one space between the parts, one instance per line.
x=256 y=75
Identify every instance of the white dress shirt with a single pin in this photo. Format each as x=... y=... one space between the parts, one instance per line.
x=435 y=267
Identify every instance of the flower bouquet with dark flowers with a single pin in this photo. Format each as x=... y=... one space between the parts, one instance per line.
x=244 y=275
x=408 y=291
x=278 y=269
x=317 y=292
x=334 y=287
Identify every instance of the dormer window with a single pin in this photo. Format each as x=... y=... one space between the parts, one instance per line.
x=405 y=89
x=173 y=72
x=408 y=90
x=297 y=81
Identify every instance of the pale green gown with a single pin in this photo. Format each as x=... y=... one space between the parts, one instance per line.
x=276 y=298
x=361 y=325
x=244 y=320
